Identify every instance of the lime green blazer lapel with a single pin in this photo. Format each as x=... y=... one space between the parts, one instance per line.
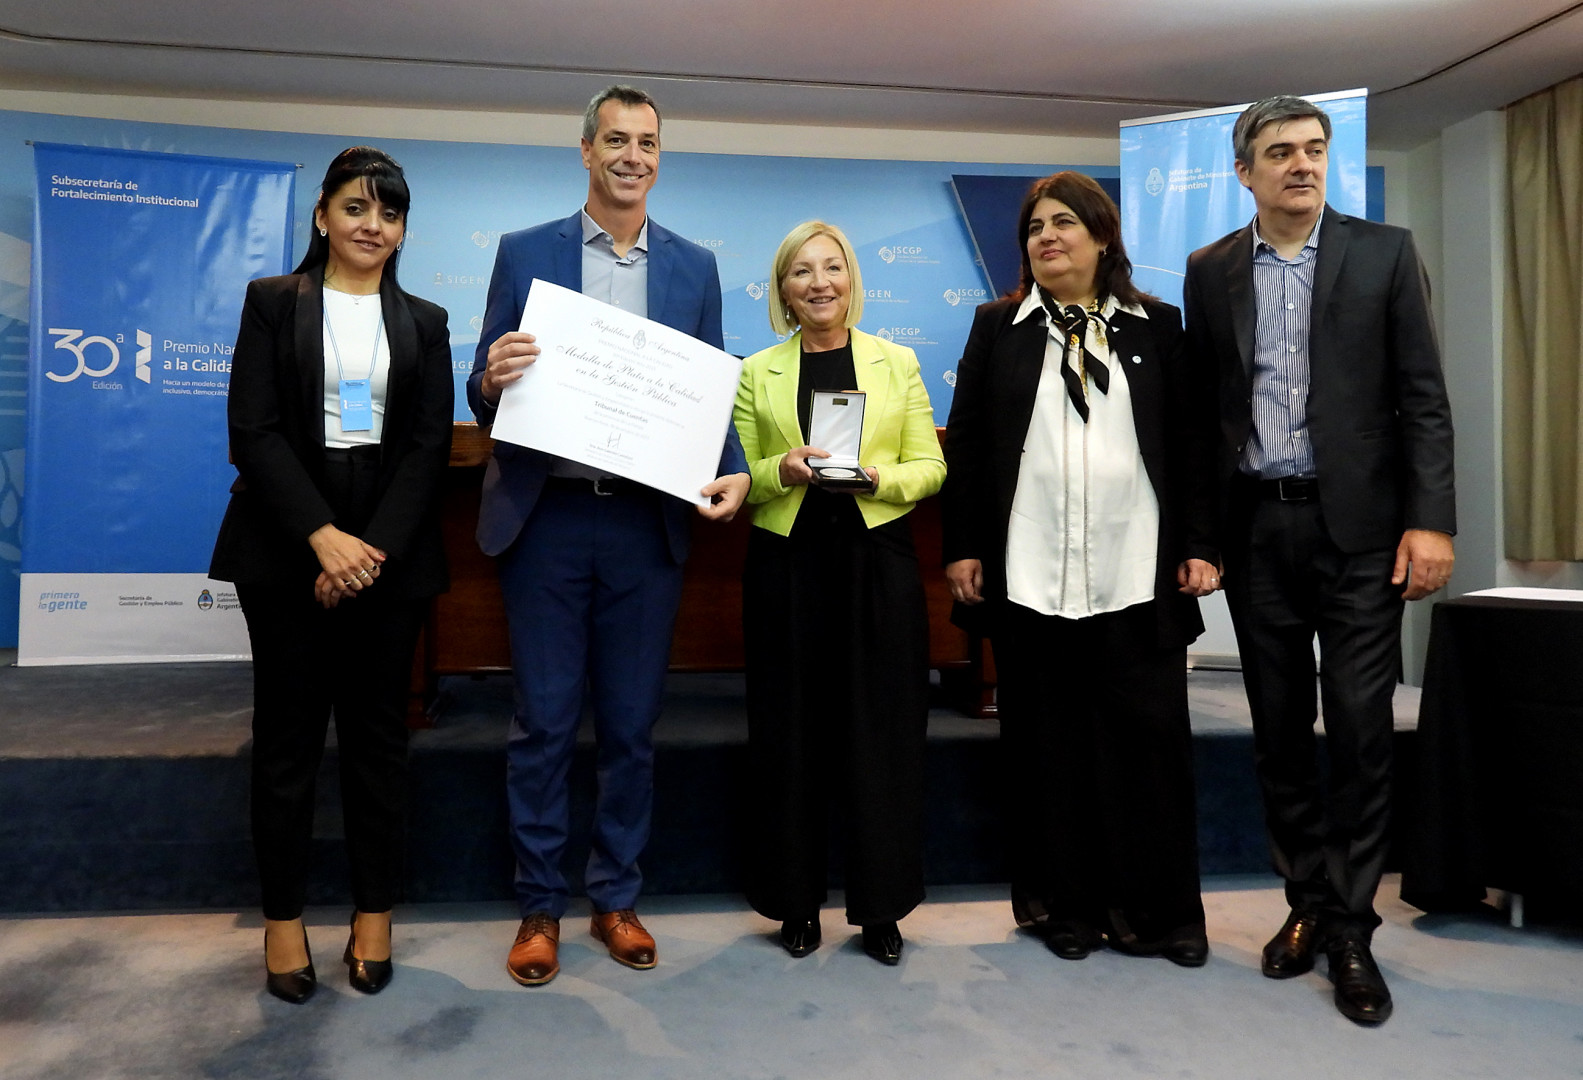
x=785 y=367
x=874 y=380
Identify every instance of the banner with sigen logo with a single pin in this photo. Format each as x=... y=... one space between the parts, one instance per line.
x=140 y=264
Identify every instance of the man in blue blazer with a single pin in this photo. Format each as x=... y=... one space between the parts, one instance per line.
x=1312 y=331
x=590 y=565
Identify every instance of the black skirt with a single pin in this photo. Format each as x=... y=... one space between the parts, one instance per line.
x=836 y=633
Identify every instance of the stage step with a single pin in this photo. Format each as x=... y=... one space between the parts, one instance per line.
x=126 y=788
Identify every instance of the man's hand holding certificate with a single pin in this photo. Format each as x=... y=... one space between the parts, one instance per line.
x=619 y=393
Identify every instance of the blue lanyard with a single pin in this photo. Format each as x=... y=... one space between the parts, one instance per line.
x=373 y=361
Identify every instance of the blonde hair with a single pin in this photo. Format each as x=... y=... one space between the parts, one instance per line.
x=780 y=318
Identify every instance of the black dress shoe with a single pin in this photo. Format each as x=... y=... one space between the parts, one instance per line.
x=369 y=976
x=800 y=936
x=293 y=986
x=1186 y=946
x=1291 y=951
x=1361 y=993
x=882 y=941
x=1072 y=940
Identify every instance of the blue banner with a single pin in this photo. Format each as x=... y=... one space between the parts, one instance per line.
x=140 y=264
x=1179 y=186
x=920 y=273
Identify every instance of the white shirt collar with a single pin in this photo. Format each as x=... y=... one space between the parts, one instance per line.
x=1031 y=303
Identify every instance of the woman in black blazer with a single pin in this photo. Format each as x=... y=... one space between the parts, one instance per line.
x=1076 y=524
x=340 y=417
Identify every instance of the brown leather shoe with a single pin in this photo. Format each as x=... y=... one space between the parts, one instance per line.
x=533 y=960
x=625 y=937
x=1291 y=951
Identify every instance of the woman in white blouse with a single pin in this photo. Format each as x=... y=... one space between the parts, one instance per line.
x=340 y=414
x=1077 y=537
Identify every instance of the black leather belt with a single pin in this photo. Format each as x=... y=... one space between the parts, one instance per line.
x=605 y=485
x=369 y=452
x=1294 y=489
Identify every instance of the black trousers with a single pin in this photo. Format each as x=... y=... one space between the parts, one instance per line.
x=837 y=642
x=1102 y=819
x=1289 y=584
x=354 y=662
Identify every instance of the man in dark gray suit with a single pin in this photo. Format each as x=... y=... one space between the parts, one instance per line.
x=1312 y=331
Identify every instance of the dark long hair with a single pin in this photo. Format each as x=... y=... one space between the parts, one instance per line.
x=386 y=182
x=1098 y=213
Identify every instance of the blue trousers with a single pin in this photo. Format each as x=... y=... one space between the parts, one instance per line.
x=591 y=593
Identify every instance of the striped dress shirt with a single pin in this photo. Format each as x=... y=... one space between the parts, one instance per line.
x=1283 y=291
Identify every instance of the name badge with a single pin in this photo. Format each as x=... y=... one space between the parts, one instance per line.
x=357 y=405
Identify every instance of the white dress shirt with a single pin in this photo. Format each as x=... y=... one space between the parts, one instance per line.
x=1084 y=532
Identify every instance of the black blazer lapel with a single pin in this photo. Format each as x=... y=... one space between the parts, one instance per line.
x=402 y=383
x=1025 y=344
x=1133 y=345
x=308 y=336
x=1239 y=295
x=1022 y=350
x=1333 y=236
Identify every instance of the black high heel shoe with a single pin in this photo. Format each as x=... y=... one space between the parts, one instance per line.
x=882 y=941
x=292 y=986
x=369 y=976
x=799 y=937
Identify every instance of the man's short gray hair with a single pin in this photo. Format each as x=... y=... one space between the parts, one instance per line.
x=1279 y=109
x=626 y=95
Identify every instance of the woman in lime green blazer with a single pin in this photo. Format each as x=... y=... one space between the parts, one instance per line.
x=834 y=622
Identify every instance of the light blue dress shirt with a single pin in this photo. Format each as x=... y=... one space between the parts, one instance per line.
x=1283 y=291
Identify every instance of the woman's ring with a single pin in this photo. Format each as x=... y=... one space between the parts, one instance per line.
x=362 y=573
x=346 y=584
